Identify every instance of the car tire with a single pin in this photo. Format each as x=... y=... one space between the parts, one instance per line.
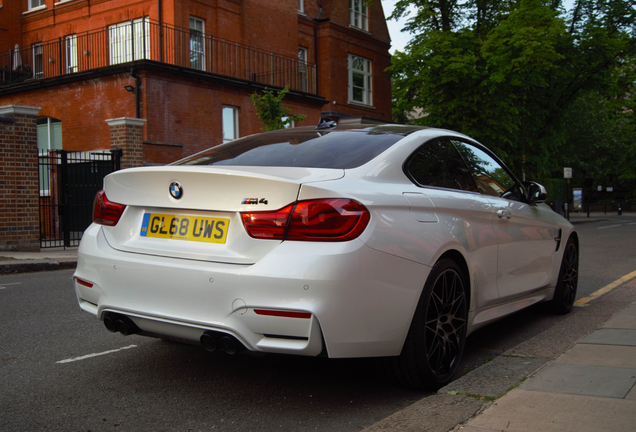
x=565 y=291
x=435 y=342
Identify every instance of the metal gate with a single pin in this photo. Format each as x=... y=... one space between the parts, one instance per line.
x=68 y=184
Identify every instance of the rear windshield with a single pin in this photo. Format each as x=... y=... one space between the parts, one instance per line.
x=307 y=148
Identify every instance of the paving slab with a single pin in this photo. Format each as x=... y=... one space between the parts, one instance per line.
x=611 y=337
x=532 y=411
x=632 y=394
x=597 y=381
x=600 y=355
x=625 y=319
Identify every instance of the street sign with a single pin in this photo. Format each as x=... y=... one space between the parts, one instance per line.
x=567 y=173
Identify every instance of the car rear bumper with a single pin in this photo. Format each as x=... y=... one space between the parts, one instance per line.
x=301 y=298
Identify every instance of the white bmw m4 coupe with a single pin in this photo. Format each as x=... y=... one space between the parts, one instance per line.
x=349 y=240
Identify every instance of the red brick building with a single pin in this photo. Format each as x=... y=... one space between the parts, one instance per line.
x=187 y=67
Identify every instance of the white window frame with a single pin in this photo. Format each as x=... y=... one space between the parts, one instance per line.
x=302 y=68
x=359 y=14
x=71 y=53
x=38 y=60
x=197 y=54
x=360 y=68
x=301 y=7
x=120 y=41
x=233 y=133
x=35 y=4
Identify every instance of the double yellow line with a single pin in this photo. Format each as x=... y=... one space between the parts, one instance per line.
x=607 y=288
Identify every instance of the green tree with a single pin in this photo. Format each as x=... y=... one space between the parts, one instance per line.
x=271 y=111
x=599 y=138
x=510 y=73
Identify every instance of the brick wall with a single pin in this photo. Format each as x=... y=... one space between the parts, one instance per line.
x=184 y=116
x=127 y=135
x=10 y=27
x=19 y=201
x=82 y=106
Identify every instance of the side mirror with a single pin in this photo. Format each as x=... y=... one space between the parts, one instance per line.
x=536 y=193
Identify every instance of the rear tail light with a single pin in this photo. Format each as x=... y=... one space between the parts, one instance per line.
x=315 y=220
x=106 y=212
x=267 y=225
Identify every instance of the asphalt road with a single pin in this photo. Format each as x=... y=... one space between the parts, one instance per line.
x=143 y=384
x=608 y=251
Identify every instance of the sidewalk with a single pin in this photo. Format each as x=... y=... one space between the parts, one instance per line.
x=45 y=260
x=590 y=387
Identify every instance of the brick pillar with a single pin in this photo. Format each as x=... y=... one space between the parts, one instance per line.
x=20 y=197
x=127 y=134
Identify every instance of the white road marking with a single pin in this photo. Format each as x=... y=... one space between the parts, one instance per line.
x=607 y=288
x=610 y=226
x=95 y=354
x=3 y=286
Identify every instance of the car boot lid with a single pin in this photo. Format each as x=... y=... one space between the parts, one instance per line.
x=212 y=188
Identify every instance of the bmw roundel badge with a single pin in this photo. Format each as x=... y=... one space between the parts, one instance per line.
x=176 y=191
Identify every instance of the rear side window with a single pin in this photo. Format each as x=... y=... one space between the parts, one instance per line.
x=307 y=149
x=438 y=164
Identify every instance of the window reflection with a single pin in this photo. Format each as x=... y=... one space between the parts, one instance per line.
x=490 y=176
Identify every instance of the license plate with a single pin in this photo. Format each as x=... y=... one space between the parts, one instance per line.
x=189 y=228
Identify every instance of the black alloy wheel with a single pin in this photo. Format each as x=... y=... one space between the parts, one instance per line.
x=435 y=342
x=445 y=325
x=565 y=291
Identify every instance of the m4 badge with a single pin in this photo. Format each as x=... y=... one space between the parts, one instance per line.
x=254 y=201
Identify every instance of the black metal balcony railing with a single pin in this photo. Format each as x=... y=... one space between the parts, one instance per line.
x=143 y=39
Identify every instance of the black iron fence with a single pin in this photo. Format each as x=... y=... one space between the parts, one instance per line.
x=610 y=206
x=68 y=184
x=143 y=39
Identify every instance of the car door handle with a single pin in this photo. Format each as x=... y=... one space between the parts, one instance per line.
x=504 y=214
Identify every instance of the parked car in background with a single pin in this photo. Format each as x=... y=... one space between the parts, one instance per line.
x=354 y=240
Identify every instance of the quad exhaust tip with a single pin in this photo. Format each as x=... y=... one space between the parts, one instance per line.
x=211 y=341
x=120 y=323
x=208 y=341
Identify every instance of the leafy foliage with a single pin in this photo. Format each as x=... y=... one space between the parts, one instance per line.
x=525 y=78
x=271 y=111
